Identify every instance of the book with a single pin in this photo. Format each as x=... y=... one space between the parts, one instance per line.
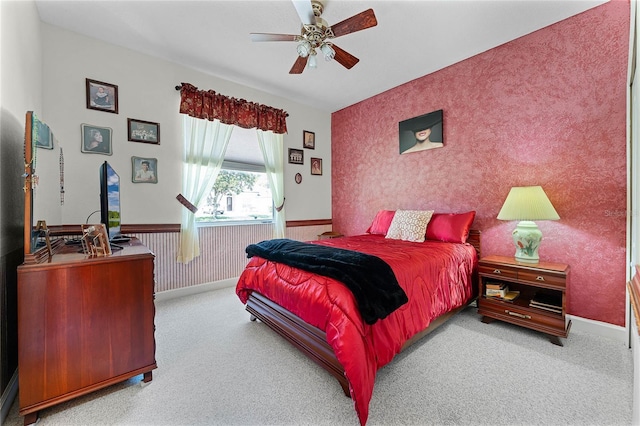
x=511 y=296
x=546 y=308
x=495 y=285
x=501 y=292
x=547 y=299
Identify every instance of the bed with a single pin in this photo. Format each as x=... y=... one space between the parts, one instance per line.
x=320 y=316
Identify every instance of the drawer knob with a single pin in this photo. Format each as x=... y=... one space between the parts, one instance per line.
x=539 y=278
x=497 y=271
x=517 y=314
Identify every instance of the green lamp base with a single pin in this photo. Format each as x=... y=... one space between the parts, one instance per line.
x=526 y=238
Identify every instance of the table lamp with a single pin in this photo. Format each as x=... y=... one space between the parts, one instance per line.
x=526 y=204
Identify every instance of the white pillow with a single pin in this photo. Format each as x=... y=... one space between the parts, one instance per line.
x=409 y=225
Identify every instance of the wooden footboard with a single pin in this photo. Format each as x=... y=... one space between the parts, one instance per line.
x=312 y=341
x=309 y=339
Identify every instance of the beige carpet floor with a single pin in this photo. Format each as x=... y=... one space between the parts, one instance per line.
x=215 y=367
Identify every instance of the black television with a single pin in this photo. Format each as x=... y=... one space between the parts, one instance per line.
x=110 y=201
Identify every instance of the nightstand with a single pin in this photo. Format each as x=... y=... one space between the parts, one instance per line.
x=541 y=302
x=329 y=234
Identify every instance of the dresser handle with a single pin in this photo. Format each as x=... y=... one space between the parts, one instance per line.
x=539 y=278
x=497 y=271
x=516 y=314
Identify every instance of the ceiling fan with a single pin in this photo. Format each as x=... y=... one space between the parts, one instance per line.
x=316 y=34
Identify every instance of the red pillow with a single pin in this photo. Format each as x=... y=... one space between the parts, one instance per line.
x=381 y=222
x=450 y=227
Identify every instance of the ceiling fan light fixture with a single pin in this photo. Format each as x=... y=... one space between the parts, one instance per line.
x=312 y=60
x=304 y=48
x=327 y=51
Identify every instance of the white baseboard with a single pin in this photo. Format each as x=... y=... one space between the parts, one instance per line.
x=195 y=289
x=8 y=396
x=598 y=328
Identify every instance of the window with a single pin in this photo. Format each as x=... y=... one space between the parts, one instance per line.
x=241 y=191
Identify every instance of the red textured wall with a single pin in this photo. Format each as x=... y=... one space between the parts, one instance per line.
x=546 y=109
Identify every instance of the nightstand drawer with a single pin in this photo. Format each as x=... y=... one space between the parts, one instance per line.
x=536 y=319
x=498 y=271
x=542 y=279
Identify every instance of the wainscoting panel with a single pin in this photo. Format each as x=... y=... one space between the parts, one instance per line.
x=222 y=254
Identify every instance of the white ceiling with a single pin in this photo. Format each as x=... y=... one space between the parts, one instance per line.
x=412 y=38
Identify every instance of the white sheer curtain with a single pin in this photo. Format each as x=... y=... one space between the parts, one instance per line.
x=272 y=147
x=205 y=143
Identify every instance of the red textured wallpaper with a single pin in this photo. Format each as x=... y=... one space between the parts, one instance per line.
x=546 y=109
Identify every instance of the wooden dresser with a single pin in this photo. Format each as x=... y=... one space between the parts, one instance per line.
x=83 y=324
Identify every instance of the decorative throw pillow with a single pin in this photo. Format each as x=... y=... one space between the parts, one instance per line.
x=381 y=222
x=409 y=225
x=450 y=227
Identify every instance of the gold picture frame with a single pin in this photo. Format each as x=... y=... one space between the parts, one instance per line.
x=95 y=240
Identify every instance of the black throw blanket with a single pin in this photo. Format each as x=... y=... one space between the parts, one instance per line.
x=370 y=279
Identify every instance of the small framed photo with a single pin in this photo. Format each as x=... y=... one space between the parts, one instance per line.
x=308 y=139
x=296 y=156
x=95 y=240
x=144 y=170
x=143 y=131
x=316 y=166
x=102 y=96
x=96 y=140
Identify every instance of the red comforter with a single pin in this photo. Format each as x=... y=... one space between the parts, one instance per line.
x=436 y=276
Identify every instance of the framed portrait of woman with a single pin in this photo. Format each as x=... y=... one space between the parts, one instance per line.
x=96 y=140
x=421 y=133
x=316 y=166
x=144 y=170
x=308 y=139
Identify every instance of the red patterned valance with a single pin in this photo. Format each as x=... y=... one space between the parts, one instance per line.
x=210 y=105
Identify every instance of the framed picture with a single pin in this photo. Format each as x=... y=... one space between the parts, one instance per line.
x=316 y=166
x=96 y=140
x=143 y=131
x=298 y=178
x=296 y=156
x=308 y=139
x=144 y=170
x=421 y=133
x=43 y=135
x=102 y=96
x=95 y=240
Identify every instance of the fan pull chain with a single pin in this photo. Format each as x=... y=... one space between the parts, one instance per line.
x=61 y=177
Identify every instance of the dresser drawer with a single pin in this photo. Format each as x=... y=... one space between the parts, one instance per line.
x=497 y=271
x=542 y=279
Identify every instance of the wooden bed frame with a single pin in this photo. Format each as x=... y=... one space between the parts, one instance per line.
x=313 y=342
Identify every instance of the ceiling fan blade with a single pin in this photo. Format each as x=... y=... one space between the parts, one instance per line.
x=345 y=59
x=361 y=21
x=273 y=37
x=305 y=11
x=299 y=65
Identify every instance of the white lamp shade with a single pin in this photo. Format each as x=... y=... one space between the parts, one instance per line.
x=312 y=61
x=527 y=203
x=304 y=48
x=327 y=51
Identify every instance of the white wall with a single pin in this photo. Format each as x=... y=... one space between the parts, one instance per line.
x=21 y=90
x=146 y=91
